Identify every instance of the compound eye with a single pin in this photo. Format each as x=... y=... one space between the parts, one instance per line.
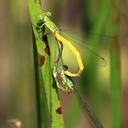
x=65 y=67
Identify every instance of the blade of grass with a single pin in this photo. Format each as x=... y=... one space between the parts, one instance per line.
x=47 y=95
x=115 y=66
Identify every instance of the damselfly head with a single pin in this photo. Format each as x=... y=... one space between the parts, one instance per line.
x=48 y=14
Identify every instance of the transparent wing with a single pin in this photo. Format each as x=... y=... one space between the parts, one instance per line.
x=87 y=110
x=87 y=47
x=84 y=105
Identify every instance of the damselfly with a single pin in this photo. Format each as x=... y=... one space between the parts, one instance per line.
x=66 y=84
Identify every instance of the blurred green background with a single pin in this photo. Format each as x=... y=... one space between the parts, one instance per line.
x=92 y=22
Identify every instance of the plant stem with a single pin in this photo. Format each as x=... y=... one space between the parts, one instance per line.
x=48 y=102
x=115 y=66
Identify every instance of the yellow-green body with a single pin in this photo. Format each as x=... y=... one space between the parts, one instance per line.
x=61 y=76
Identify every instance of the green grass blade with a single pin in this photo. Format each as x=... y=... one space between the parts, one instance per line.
x=115 y=66
x=47 y=95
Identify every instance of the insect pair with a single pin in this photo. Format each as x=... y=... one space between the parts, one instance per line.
x=60 y=73
x=45 y=21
